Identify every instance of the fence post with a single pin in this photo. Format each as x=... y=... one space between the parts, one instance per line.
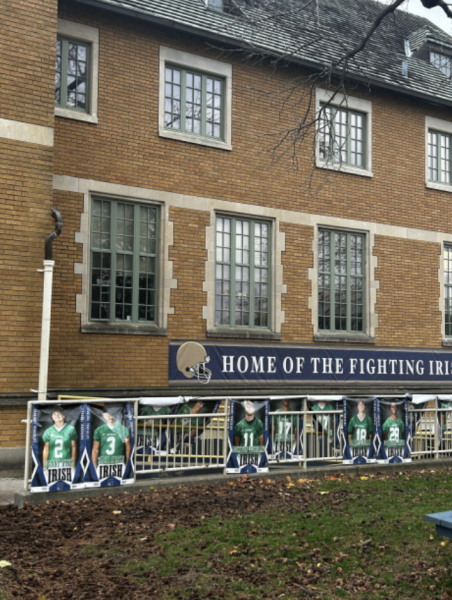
x=27 y=447
x=436 y=428
x=135 y=410
x=225 y=433
x=305 y=437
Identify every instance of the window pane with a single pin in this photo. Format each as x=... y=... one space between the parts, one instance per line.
x=448 y=289
x=71 y=86
x=249 y=292
x=341 y=136
x=341 y=283
x=201 y=104
x=135 y=276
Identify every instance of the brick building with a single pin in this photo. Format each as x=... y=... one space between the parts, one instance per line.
x=162 y=206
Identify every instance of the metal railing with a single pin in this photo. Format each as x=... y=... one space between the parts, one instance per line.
x=181 y=442
x=188 y=442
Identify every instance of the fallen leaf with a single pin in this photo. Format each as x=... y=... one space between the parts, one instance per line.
x=233 y=552
x=116 y=512
x=364 y=478
x=324 y=493
x=171 y=526
x=4 y=563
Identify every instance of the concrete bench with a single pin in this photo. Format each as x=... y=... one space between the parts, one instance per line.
x=442 y=522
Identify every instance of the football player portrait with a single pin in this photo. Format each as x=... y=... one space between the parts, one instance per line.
x=284 y=427
x=60 y=440
x=324 y=421
x=194 y=422
x=249 y=431
x=111 y=440
x=394 y=428
x=360 y=427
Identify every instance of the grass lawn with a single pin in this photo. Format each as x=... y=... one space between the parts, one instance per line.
x=339 y=537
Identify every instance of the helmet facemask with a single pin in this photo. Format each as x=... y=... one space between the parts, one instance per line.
x=201 y=372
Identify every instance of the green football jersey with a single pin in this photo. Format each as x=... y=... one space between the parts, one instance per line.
x=60 y=442
x=395 y=430
x=360 y=430
x=111 y=440
x=324 y=420
x=249 y=432
x=186 y=422
x=149 y=411
x=285 y=426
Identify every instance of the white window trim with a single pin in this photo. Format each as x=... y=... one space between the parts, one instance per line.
x=83 y=33
x=166 y=283
x=203 y=65
x=371 y=286
x=442 y=127
x=359 y=105
x=278 y=288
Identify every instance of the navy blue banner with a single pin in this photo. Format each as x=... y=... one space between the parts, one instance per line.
x=210 y=363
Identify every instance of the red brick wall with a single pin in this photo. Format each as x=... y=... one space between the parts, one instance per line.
x=408 y=298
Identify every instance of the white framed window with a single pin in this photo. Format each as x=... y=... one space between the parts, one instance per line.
x=441 y=62
x=195 y=99
x=244 y=275
x=438 y=157
x=76 y=71
x=344 y=133
x=343 y=301
x=242 y=272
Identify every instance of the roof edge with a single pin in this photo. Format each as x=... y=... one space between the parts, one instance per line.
x=105 y=5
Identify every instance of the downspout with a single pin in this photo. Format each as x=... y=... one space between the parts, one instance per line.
x=47 y=306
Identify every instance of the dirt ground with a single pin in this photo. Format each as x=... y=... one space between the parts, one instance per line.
x=114 y=547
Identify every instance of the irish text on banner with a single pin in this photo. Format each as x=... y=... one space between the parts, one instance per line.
x=394 y=431
x=248 y=437
x=57 y=446
x=359 y=430
x=110 y=443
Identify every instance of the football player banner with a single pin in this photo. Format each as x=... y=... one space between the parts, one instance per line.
x=110 y=445
x=248 y=437
x=394 y=431
x=361 y=441
x=57 y=445
x=324 y=426
x=186 y=432
x=285 y=442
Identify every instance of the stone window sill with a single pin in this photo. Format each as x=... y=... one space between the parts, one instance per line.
x=442 y=187
x=341 y=168
x=247 y=334
x=344 y=338
x=76 y=115
x=447 y=342
x=124 y=329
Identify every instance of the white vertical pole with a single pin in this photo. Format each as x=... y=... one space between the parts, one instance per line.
x=305 y=435
x=45 y=329
x=27 y=446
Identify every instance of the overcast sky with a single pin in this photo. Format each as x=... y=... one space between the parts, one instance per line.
x=434 y=14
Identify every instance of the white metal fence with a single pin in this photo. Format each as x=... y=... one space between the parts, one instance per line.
x=197 y=441
x=181 y=442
